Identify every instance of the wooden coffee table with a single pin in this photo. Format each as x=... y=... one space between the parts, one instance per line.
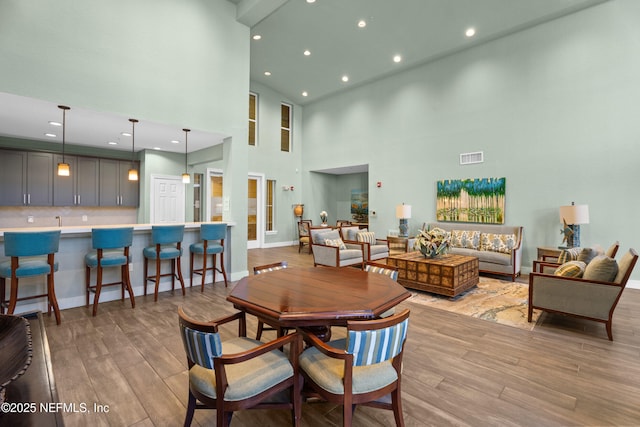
x=446 y=275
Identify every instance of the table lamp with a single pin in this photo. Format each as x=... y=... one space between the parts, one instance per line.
x=572 y=216
x=403 y=212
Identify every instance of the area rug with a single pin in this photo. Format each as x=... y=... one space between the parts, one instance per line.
x=492 y=300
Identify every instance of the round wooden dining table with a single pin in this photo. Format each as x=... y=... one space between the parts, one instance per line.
x=316 y=297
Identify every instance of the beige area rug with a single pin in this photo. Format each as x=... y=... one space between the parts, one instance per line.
x=493 y=300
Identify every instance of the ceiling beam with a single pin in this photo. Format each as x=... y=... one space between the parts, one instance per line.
x=250 y=12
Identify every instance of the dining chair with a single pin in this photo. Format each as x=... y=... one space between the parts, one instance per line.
x=261 y=323
x=386 y=270
x=167 y=245
x=110 y=249
x=362 y=369
x=211 y=243
x=27 y=251
x=238 y=373
x=303 y=235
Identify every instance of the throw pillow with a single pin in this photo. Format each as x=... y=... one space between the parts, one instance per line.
x=503 y=243
x=335 y=242
x=601 y=268
x=587 y=254
x=570 y=254
x=367 y=237
x=571 y=269
x=465 y=239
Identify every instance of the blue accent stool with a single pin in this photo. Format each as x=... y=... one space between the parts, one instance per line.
x=212 y=243
x=110 y=249
x=30 y=244
x=167 y=245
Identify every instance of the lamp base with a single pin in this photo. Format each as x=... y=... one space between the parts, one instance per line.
x=404 y=228
x=572 y=236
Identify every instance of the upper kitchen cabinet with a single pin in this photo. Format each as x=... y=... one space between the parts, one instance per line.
x=26 y=178
x=115 y=187
x=81 y=187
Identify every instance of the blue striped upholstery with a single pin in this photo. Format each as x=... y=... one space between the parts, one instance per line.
x=376 y=346
x=392 y=273
x=201 y=347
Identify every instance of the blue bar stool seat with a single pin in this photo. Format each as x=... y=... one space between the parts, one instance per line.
x=212 y=243
x=110 y=249
x=27 y=250
x=167 y=245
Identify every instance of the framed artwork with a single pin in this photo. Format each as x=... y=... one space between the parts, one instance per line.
x=478 y=200
x=359 y=205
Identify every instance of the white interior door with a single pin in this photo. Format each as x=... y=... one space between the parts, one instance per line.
x=167 y=200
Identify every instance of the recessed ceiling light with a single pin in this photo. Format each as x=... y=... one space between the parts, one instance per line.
x=125 y=134
x=470 y=32
x=311 y=1
x=112 y=143
x=52 y=123
x=362 y=23
x=307 y=52
x=267 y=73
x=175 y=141
x=257 y=37
x=50 y=135
x=397 y=58
x=345 y=78
x=305 y=93
x=157 y=148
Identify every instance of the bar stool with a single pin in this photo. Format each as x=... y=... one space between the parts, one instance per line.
x=167 y=245
x=30 y=244
x=209 y=233
x=110 y=249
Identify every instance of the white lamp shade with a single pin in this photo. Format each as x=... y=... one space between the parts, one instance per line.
x=186 y=178
x=575 y=214
x=63 y=169
x=403 y=211
x=133 y=174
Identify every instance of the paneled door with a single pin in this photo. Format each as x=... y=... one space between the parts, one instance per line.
x=167 y=200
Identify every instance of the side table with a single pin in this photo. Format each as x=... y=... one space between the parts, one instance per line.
x=548 y=254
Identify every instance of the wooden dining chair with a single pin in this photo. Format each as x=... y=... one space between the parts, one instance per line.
x=261 y=323
x=238 y=373
x=386 y=270
x=362 y=369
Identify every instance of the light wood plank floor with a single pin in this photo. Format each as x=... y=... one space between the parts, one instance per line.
x=457 y=371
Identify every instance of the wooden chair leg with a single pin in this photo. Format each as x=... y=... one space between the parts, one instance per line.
x=180 y=275
x=2 y=294
x=191 y=256
x=396 y=405
x=204 y=272
x=53 y=301
x=155 y=294
x=126 y=279
x=96 y=297
x=146 y=274
x=87 y=281
x=13 y=296
x=173 y=274
x=224 y=273
x=191 y=407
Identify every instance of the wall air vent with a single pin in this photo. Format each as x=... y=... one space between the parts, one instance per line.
x=471 y=158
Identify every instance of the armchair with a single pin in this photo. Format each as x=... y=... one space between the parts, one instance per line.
x=581 y=297
x=547 y=266
x=374 y=249
x=303 y=235
x=329 y=249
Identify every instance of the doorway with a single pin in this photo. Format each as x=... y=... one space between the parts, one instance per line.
x=167 y=200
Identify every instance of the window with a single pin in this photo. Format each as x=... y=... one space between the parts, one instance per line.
x=253 y=118
x=285 y=127
x=270 y=200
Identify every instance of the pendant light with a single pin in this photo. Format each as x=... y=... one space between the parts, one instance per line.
x=186 y=178
x=63 y=168
x=133 y=172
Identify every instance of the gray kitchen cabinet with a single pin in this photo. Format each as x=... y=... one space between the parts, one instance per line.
x=26 y=178
x=115 y=187
x=81 y=187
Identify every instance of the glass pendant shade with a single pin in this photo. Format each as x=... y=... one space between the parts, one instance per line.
x=186 y=178
x=133 y=172
x=63 y=167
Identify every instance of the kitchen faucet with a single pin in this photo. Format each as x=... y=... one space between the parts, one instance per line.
x=59 y=218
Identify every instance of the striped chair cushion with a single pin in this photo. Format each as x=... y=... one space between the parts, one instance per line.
x=569 y=255
x=376 y=346
x=201 y=347
x=366 y=237
x=393 y=274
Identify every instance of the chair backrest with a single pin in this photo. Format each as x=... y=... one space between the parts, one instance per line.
x=165 y=234
x=201 y=341
x=613 y=250
x=376 y=341
x=625 y=267
x=213 y=231
x=303 y=229
x=383 y=269
x=269 y=267
x=29 y=243
x=349 y=232
x=111 y=238
x=318 y=235
x=342 y=222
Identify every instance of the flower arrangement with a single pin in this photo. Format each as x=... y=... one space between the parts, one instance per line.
x=432 y=243
x=323 y=217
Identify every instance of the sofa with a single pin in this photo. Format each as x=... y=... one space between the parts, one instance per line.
x=497 y=247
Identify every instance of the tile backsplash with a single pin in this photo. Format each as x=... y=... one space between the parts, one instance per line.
x=45 y=216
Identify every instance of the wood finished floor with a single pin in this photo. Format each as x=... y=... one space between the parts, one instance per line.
x=458 y=371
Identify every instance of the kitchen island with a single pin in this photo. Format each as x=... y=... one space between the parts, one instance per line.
x=75 y=242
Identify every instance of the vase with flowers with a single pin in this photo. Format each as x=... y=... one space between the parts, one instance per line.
x=432 y=243
x=323 y=218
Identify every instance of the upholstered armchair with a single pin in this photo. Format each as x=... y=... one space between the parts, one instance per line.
x=329 y=249
x=573 y=254
x=374 y=249
x=592 y=296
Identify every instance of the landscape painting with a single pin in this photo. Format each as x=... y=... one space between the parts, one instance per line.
x=479 y=200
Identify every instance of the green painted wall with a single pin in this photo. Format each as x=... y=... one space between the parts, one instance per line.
x=552 y=108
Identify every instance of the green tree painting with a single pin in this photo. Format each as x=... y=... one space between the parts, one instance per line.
x=471 y=200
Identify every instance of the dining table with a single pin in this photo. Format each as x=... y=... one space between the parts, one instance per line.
x=316 y=298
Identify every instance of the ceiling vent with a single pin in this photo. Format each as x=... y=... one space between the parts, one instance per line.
x=471 y=158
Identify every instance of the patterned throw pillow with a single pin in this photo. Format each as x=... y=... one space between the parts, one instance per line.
x=367 y=237
x=601 y=268
x=571 y=269
x=570 y=254
x=503 y=243
x=465 y=239
x=335 y=242
x=587 y=254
